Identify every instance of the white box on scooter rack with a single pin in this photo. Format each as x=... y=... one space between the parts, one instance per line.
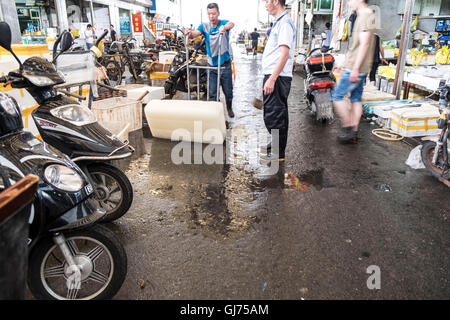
x=118 y=113
x=135 y=91
x=184 y=120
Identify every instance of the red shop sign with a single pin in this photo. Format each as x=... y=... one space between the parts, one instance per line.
x=137 y=22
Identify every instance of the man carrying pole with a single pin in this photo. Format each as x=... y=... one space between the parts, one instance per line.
x=217 y=34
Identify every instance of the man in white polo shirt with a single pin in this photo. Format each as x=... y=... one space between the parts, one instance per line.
x=278 y=63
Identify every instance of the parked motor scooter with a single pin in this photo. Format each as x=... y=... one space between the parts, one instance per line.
x=177 y=80
x=435 y=154
x=319 y=83
x=73 y=129
x=69 y=256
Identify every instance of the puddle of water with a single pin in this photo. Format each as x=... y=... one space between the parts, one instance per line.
x=383 y=187
x=306 y=181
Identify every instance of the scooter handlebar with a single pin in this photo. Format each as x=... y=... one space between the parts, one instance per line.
x=101 y=38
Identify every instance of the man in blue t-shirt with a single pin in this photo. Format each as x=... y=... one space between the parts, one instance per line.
x=217 y=35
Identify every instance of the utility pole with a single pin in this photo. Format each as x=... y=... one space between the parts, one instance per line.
x=181 y=14
x=310 y=26
x=257 y=12
x=398 y=82
x=91 y=7
x=301 y=23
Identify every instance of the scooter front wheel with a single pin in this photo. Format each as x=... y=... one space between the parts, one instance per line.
x=98 y=253
x=114 y=192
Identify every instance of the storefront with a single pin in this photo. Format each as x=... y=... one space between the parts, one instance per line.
x=32 y=16
x=125 y=22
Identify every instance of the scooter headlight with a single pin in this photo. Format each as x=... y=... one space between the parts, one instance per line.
x=75 y=114
x=63 y=178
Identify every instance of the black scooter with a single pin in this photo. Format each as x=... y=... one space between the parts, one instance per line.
x=69 y=256
x=178 y=78
x=436 y=154
x=319 y=83
x=73 y=129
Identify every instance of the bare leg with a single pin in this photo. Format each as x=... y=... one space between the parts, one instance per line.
x=356 y=114
x=343 y=111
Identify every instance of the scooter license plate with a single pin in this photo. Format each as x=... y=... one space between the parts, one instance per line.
x=89 y=189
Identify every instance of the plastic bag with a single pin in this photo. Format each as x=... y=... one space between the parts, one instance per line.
x=413 y=28
x=415 y=158
x=443 y=56
x=417 y=56
x=345 y=32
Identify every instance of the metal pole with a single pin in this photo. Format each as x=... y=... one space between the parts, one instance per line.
x=198 y=84
x=403 y=48
x=207 y=85
x=187 y=67
x=218 y=69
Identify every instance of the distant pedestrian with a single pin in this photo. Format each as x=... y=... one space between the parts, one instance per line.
x=377 y=60
x=254 y=36
x=89 y=36
x=278 y=63
x=112 y=33
x=326 y=36
x=355 y=69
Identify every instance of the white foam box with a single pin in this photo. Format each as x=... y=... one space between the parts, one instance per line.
x=416 y=122
x=182 y=120
x=116 y=113
x=135 y=91
x=166 y=57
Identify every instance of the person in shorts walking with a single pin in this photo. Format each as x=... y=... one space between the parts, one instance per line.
x=358 y=63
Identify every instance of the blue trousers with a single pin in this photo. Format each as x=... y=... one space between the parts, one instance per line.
x=226 y=80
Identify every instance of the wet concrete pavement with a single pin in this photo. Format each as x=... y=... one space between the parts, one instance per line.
x=310 y=231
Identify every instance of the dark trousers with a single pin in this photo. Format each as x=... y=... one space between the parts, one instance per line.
x=373 y=71
x=276 y=114
x=226 y=79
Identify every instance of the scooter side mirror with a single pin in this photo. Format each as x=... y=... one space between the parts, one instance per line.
x=65 y=41
x=5 y=39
